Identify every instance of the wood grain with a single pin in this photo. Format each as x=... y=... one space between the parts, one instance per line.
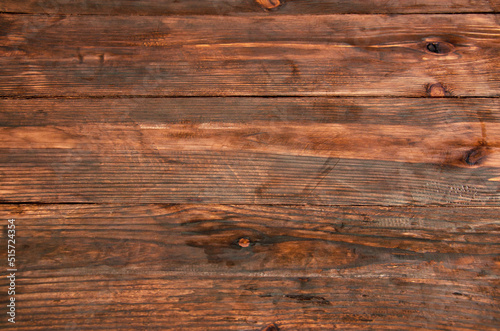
x=219 y=7
x=335 y=55
x=329 y=151
x=304 y=268
x=267 y=165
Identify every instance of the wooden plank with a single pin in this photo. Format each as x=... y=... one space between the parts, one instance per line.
x=131 y=302
x=337 y=55
x=187 y=267
x=219 y=7
x=325 y=151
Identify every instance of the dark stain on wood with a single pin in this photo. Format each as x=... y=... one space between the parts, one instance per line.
x=476 y=155
x=314 y=299
x=5 y=25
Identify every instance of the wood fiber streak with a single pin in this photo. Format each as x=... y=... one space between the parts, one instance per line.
x=336 y=55
x=220 y=7
x=305 y=268
x=251 y=150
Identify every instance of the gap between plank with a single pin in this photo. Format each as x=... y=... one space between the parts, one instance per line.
x=253 y=13
x=83 y=97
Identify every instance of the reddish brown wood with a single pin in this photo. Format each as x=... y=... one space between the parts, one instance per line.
x=251 y=150
x=317 y=268
x=336 y=55
x=219 y=7
x=260 y=165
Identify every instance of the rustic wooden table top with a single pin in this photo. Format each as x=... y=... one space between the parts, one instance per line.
x=250 y=164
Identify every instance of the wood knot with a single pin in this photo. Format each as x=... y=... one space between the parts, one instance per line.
x=439 y=47
x=270 y=4
x=271 y=327
x=476 y=155
x=437 y=90
x=244 y=242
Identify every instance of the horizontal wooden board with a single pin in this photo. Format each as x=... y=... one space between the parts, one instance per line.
x=220 y=7
x=221 y=267
x=124 y=301
x=335 y=55
x=329 y=151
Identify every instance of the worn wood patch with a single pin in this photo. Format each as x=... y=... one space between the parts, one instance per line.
x=337 y=55
x=219 y=7
x=251 y=150
x=213 y=267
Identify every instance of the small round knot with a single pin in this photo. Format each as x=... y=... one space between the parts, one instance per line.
x=436 y=90
x=270 y=4
x=244 y=242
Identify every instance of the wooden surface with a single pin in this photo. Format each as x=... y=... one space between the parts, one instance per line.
x=252 y=150
x=251 y=165
x=184 y=267
x=231 y=7
x=334 y=55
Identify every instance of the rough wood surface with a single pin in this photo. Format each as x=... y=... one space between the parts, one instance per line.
x=337 y=55
x=330 y=151
x=240 y=267
x=224 y=7
x=263 y=165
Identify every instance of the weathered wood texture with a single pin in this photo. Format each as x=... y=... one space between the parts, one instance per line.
x=251 y=164
x=302 y=268
x=330 y=151
x=337 y=55
x=224 y=7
